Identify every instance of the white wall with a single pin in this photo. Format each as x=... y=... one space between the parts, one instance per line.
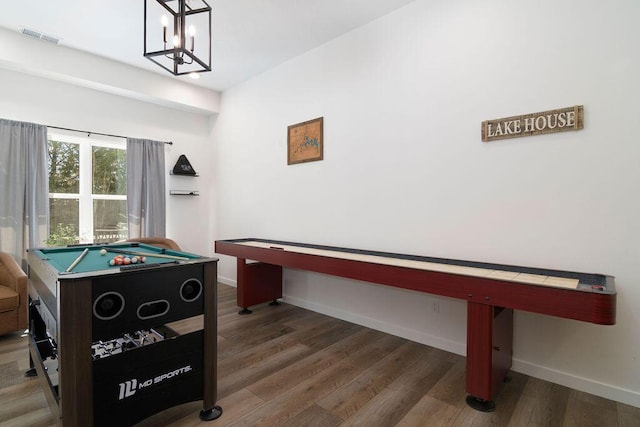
x=404 y=168
x=61 y=63
x=34 y=99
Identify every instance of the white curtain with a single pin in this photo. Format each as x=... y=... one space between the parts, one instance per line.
x=146 y=197
x=24 y=187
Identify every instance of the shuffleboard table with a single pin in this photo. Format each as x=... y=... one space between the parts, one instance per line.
x=103 y=338
x=492 y=292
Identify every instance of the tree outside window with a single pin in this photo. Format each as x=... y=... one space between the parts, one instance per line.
x=87 y=190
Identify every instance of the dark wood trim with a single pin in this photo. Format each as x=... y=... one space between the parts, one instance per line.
x=74 y=351
x=210 y=335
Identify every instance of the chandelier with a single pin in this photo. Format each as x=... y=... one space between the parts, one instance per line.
x=177 y=35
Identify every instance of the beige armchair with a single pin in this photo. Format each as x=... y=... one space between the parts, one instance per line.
x=13 y=295
x=163 y=242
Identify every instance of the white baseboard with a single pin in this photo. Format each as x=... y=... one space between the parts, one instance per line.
x=227 y=281
x=389 y=328
x=607 y=391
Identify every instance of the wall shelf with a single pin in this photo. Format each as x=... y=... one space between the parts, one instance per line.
x=183 y=174
x=184 y=192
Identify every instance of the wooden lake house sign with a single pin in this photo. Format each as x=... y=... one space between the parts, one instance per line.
x=561 y=120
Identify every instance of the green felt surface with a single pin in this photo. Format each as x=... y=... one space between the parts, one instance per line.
x=61 y=258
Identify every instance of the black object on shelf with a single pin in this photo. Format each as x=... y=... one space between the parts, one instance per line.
x=183 y=167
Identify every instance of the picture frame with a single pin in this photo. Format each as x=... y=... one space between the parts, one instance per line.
x=305 y=142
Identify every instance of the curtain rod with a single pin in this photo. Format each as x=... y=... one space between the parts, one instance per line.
x=89 y=133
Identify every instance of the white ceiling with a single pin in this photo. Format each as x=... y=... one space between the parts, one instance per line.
x=249 y=36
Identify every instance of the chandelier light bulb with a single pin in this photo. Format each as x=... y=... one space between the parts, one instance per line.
x=176 y=41
x=192 y=33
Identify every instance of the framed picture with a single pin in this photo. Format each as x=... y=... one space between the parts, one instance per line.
x=304 y=142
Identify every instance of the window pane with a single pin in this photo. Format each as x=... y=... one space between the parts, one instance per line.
x=109 y=171
x=109 y=220
x=63 y=222
x=64 y=169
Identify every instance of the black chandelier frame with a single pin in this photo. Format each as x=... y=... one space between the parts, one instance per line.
x=180 y=56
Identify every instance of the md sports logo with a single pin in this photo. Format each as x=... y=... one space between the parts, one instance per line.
x=129 y=387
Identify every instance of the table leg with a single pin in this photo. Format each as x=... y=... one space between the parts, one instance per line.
x=489 y=349
x=257 y=283
x=74 y=354
x=210 y=411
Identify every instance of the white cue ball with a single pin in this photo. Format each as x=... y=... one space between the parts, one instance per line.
x=103 y=251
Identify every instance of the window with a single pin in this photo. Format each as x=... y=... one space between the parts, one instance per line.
x=87 y=190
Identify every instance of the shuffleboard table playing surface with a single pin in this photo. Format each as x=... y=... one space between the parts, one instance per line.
x=466 y=268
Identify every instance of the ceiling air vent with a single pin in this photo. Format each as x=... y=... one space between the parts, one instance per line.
x=38 y=35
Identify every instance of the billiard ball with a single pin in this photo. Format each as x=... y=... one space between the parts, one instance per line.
x=134 y=260
x=127 y=260
x=112 y=261
x=103 y=252
x=118 y=261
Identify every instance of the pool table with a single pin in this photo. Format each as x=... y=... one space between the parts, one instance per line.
x=95 y=262
x=101 y=336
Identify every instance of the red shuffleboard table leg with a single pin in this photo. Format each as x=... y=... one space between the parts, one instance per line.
x=257 y=283
x=489 y=350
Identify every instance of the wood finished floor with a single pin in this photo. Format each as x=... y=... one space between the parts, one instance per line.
x=285 y=366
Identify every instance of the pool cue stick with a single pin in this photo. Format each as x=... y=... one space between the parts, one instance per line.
x=77 y=261
x=122 y=251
